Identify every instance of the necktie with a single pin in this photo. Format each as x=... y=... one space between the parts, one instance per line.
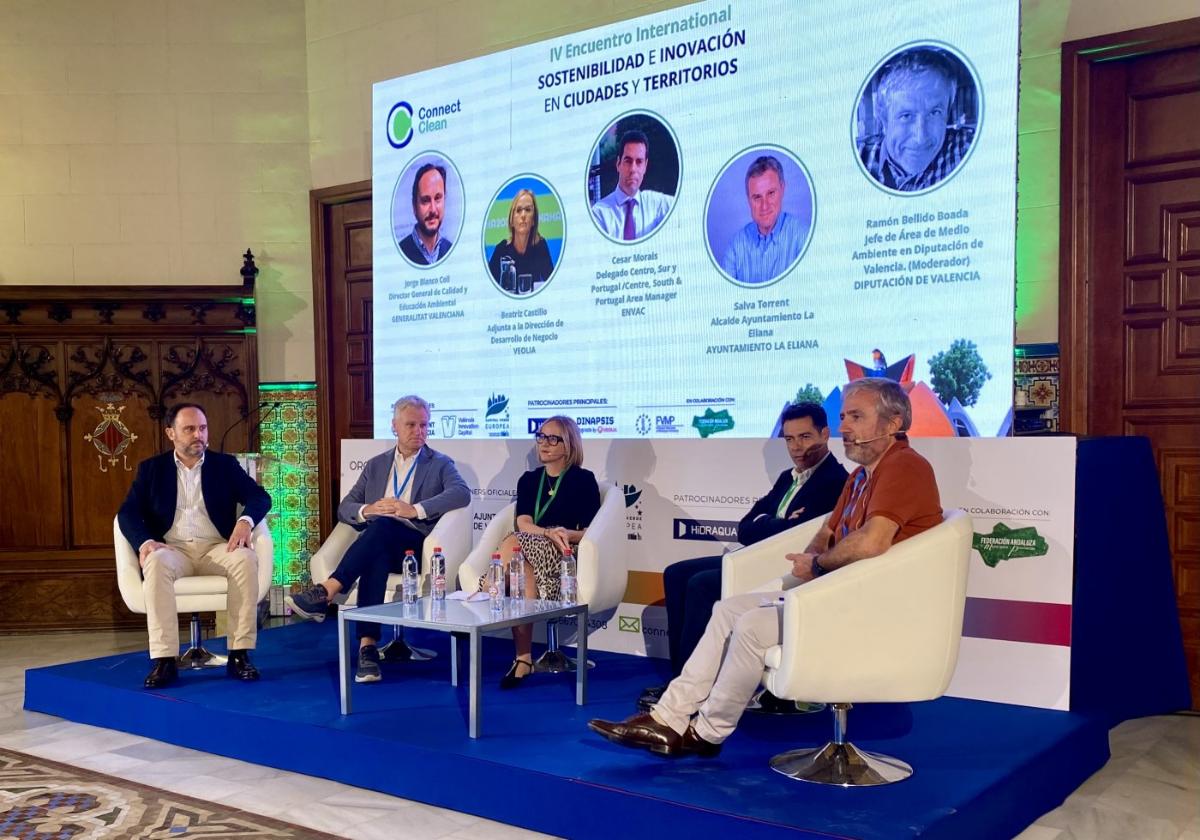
x=628 y=234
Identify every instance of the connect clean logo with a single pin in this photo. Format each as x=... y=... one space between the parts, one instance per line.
x=400 y=125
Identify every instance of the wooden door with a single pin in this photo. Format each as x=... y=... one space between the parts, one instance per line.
x=342 y=282
x=1136 y=295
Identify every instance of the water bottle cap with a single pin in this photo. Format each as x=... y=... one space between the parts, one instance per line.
x=437 y=549
x=408 y=552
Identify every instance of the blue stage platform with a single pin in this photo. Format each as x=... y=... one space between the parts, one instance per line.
x=982 y=769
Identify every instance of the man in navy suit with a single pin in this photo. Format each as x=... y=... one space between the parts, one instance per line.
x=811 y=488
x=396 y=501
x=181 y=516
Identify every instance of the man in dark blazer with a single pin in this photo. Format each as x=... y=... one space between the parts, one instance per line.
x=395 y=503
x=808 y=490
x=181 y=515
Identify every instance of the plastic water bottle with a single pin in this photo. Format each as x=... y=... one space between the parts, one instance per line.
x=516 y=578
x=496 y=583
x=437 y=574
x=409 y=586
x=567 y=583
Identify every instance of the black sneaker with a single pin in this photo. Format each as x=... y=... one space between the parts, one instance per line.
x=310 y=604
x=368 y=665
x=650 y=696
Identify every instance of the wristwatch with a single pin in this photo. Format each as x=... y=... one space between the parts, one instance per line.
x=817 y=568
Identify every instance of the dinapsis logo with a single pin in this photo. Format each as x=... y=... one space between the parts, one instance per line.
x=400 y=125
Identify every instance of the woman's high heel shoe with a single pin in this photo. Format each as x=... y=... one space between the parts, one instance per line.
x=511 y=679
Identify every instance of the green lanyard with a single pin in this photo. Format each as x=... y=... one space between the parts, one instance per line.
x=781 y=512
x=538 y=507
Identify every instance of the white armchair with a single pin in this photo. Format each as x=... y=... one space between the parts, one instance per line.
x=196 y=594
x=602 y=570
x=881 y=630
x=451 y=533
x=762 y=566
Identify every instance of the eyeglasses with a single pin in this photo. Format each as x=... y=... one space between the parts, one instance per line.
x=553 y=440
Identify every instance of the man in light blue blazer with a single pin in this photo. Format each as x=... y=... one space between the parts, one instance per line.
x=395 y=503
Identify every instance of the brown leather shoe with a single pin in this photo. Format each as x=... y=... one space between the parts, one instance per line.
x=693 y=743
x=641 y=731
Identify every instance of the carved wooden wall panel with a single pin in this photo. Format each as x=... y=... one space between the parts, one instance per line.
x=31 y=472
x=86 y=374
x=107 y=437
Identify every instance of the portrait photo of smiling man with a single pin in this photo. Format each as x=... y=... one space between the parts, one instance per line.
x=429 y=236
x=769 y=244
x=917 y=119
x=759 y=217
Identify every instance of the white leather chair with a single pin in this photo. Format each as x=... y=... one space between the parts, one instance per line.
x=196 y=594
x=451 y=533
x=602 y=571
x=881 y=630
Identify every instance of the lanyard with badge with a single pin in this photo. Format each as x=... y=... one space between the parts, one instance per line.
x=781 y=512
x=538 y=507
x=396 y=486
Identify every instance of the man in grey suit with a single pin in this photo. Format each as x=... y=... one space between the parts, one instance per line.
x=395 y=503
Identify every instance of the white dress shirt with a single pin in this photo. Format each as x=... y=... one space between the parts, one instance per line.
x=191 y=522
x=648 y=213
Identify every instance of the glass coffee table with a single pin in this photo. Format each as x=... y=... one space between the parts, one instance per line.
x=469 y=618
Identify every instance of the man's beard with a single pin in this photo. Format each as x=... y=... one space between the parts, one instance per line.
x=427 y=231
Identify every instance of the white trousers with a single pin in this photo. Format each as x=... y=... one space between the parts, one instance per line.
x=166 y=565
x=726 y=668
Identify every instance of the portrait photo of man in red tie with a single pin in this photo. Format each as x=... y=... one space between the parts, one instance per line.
x=640 y=150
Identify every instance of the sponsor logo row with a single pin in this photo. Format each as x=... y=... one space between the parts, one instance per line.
x=593 y=416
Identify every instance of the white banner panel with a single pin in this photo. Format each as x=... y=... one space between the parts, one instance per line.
x=684 y=498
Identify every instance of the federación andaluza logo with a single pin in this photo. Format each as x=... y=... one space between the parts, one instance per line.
x=711 y=422
x=1006 y=543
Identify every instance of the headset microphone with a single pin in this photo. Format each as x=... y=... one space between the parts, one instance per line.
x=877 y=437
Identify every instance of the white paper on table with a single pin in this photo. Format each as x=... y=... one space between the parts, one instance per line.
x=461 y=595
